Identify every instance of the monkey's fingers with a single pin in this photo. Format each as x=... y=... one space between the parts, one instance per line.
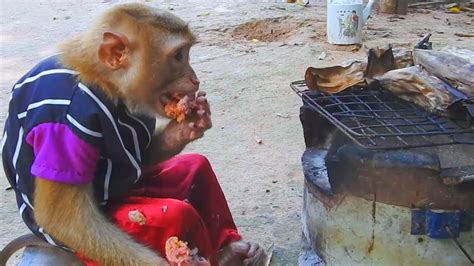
x=257 y=260
x=196 y=134
x=193 y=131
x=203 y=120
x=256 y=255
x=253 y=249
x=201 y=103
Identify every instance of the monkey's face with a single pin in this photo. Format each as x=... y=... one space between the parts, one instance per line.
x=172 y=76
x=150 y=69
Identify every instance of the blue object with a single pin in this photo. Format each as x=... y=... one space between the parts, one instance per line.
x=433 y=223
x=436 y=223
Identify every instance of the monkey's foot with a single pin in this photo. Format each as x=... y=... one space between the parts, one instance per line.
x=242 y=253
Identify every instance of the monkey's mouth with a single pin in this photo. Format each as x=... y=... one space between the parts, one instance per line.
x=176 y=106
x=171 y=97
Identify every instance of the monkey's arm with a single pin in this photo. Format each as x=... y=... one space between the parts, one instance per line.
x=70 y=214
x=163 y=145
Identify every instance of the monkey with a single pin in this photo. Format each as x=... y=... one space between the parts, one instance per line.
x=81 y=150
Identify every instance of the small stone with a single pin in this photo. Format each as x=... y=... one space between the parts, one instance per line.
x=205 y=14
x=275 y=181
x=322 y=56
x=268 y=190
x=355 y=48
x=282 y=115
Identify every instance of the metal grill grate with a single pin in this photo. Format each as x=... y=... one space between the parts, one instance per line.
x=376 y=119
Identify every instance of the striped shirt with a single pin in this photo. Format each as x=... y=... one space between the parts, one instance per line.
x=62 y=130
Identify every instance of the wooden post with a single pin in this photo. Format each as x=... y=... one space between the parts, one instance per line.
x=388 y=6
x=393 y=6
x=402 y=7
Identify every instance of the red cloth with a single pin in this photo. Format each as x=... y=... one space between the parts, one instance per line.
x=179 y=197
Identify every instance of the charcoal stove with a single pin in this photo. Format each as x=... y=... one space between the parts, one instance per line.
x=386 y=183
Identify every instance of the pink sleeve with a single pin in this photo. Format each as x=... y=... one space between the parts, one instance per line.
x=60 y=155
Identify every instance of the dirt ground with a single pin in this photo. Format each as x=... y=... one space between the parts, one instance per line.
x=247 y=55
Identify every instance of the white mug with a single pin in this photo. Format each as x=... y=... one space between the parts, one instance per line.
x=345 y=19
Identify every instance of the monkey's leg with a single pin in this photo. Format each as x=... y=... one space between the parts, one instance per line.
x=69 y=214
x=190 y=177
x=152 y=221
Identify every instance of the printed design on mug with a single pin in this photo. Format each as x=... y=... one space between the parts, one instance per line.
x=348 y=23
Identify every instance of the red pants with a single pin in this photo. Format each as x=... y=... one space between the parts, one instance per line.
x=179 y=197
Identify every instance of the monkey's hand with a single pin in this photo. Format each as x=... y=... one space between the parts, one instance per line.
x=196 y=122
x=175 y=136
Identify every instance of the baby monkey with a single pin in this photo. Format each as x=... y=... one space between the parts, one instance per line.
x=82 y=153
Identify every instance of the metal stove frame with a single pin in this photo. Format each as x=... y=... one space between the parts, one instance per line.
x=377 y=119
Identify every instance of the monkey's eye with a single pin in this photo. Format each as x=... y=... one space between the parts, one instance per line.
x=179 y=55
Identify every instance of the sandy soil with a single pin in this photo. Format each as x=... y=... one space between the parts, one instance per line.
x=248 y=86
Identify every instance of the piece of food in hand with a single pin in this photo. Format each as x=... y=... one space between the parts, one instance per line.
x=178 y=253
x=176 y=250
x=177 y=109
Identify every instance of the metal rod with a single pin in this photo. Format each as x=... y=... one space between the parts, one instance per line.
x=375 y=119
x=388 y=127
x=402 y=125
x=458 y=244
x=375 y=110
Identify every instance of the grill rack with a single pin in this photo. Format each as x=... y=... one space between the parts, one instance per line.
x=376 y=119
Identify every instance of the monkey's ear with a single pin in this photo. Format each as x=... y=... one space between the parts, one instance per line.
x=113 y=50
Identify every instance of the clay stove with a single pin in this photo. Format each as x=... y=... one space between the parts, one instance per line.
x=386 y=183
